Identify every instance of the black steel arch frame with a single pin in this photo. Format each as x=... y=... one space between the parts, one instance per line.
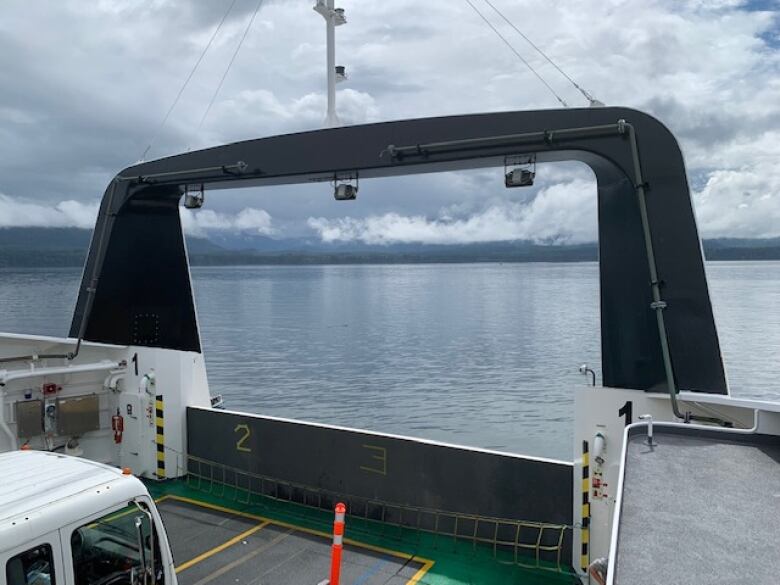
x=136 y=287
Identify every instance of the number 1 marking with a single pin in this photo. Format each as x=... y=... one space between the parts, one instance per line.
x=627 y=410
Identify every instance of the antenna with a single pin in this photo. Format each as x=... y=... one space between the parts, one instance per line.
x=333 y=17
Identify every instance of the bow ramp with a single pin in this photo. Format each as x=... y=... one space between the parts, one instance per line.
x=699 y=506
x=259 y=495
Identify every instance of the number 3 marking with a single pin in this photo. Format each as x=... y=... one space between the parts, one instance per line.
x=242 y=440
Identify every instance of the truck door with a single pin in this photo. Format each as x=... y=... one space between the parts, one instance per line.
x=116 y=547
x=39 y=562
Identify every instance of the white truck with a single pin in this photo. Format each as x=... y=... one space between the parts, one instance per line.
x=71 y=521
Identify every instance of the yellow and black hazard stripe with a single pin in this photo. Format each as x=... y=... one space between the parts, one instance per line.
x=585 y=556
x=159 y=421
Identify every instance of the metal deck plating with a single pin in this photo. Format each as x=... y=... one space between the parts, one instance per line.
x=701 y=505
x=217 y=539
x=216 y=544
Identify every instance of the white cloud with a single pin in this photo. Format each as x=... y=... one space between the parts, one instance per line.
x=741 y=203
x=201 y=222
x=257 y=220
x=16 y=212
x=709 y=69
x=562 y=213
x=263 y=109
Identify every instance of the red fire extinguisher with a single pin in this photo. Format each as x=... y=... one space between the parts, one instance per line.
x=118 y=426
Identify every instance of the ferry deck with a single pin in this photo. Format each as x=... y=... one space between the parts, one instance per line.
x=220 y=534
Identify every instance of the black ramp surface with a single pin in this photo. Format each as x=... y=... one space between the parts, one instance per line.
x=391 y=469
x=700 y=510
x=270 y=555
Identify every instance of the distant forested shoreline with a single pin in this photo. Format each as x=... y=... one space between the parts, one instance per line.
x=19 y=258
x=67 y=247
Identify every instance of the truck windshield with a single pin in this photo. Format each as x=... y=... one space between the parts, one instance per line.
x=117 y=549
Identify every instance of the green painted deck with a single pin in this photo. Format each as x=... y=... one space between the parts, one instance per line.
x=225 y=535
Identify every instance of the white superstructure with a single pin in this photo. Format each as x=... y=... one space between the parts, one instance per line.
x=120 y=405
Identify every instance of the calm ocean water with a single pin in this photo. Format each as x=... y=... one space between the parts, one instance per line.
x=478 y=354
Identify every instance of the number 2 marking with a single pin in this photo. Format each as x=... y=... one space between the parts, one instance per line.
x=242 y=440
x=627 y=410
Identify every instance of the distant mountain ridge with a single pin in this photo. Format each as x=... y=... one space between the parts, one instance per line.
x=68 y=246
x=52 y=247
x=38 y=238
x=44 y=238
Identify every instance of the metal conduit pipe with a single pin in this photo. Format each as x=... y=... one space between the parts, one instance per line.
x=34 y=357
x=4 y=425
x=658 y=305
x=101 y=366
x=174 y=177
x=507 y=140
x=72 y=355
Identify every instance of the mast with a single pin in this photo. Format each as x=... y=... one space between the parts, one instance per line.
x=333 y=17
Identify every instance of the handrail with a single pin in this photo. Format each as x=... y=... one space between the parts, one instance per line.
x=547 y=539
x=6 y=376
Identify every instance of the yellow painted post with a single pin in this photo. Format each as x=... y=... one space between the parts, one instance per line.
x=159 y=422
x=585 y=556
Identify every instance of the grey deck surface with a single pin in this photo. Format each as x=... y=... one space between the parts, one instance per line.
x=273 y=555
x=698 y=511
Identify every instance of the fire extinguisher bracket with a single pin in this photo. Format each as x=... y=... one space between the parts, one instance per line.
x=118 y=426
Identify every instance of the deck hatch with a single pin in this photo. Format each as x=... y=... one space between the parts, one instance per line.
x=77 y=415
x=29 y=418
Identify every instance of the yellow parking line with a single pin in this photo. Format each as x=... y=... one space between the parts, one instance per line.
x=187 y=500
x=221 y=547
x=427 y=563
x=240 y=561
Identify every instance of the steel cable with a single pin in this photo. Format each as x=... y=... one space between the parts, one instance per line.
x=189 y=77
x=517 y=54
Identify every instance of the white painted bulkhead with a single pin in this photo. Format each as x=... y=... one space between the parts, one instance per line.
x=121 y=381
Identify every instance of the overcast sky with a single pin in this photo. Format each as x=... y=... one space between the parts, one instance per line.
x=84 y=87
